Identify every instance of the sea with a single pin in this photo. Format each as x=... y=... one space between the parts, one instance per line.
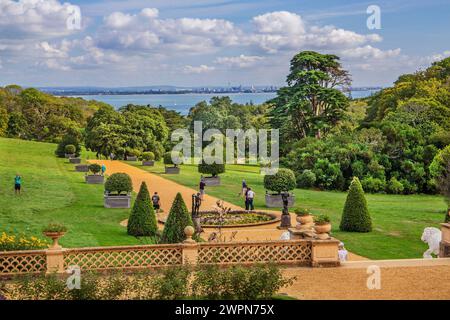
x=184 y=102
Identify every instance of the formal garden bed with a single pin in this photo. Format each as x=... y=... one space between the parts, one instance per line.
x=235 y=218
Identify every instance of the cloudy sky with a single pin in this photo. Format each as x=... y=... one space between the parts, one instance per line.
x=212 y=42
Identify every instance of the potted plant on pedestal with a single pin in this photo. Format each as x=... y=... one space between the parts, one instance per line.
x=148 y=159
x=132 y=154
x=322 y=226
x=118 y=189
x=282 y=181
x=69 y=150
x=214 y=170
x=95 y=177
x=54 y=231
x=304 y=218
x=174 y=169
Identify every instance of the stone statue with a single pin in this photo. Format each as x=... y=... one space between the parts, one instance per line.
x=431 y=236
x=196 y=203
x=285 y=216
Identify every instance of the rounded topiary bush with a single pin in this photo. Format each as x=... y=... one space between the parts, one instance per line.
x=283 y=180
x=95 y=168
x=70 y=149
x=72 y=138
x=148 y=156
x=213 y=169
x=168 y=158
x=142 y=221
x=178 y=219
x=119 y=183
x=133 y=152
x=356 y=217
x=306 y=179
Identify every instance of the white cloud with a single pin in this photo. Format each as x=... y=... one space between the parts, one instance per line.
x=241 y=61
x=145 y=31
x=197 y=70
x=369 y=52
x=30 y=19
x=279 y=22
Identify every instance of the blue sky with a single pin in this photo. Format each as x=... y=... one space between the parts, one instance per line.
x=212 y=42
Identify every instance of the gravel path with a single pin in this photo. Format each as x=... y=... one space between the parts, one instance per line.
x=419 y=283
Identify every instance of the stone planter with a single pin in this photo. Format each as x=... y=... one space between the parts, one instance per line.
x=117 y=202
x=69 y=155
x=54 y=236
x=212 y=181
x=148 y=163
x=305 y=222
x=172 y=170
x=323 y=231
x=82 y=168
x=131 y=158
x=75 y=160
x=275 y=201
x=94 y=179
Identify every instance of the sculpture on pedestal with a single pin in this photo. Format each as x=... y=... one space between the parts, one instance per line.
x=196 y=203
x=285 y=216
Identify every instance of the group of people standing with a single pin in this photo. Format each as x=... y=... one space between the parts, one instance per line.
x=249 y=195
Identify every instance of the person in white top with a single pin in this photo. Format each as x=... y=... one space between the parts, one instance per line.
x=249 y=197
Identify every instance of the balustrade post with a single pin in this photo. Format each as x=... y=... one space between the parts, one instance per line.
x=189 y=247
x=444 y=251
x=325 y=253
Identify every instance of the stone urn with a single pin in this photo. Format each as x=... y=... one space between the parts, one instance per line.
x=323 y=231
x=305 y=222
x=55 y=237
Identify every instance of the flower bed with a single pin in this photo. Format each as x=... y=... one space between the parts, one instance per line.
x=238 y=218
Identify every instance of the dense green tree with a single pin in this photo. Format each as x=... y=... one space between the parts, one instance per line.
x=311 y=104
x=178 y=219
x=142 y=221
x=356 y=217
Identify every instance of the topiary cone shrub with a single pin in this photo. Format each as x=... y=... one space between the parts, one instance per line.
x=118 y=183
x=142 y=221
x=356 y=217
x=213 y=169
x=178 y=219
x=283 y=180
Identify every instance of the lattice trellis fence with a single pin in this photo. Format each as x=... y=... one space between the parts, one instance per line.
x=248 y=253
x=23 y=262
x=124 y=257
x=296 y=252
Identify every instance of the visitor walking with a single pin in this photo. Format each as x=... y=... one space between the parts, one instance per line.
x=17 y=184
x=156 y=202
x=202 y=188
x=249 y=197
x=103 y=169
x=244 y=187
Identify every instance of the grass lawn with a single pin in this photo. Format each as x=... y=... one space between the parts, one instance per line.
x=398 y=220
x=54 y=192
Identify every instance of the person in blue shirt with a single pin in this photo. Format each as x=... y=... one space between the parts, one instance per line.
x=103 y=169
x=17 y=184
